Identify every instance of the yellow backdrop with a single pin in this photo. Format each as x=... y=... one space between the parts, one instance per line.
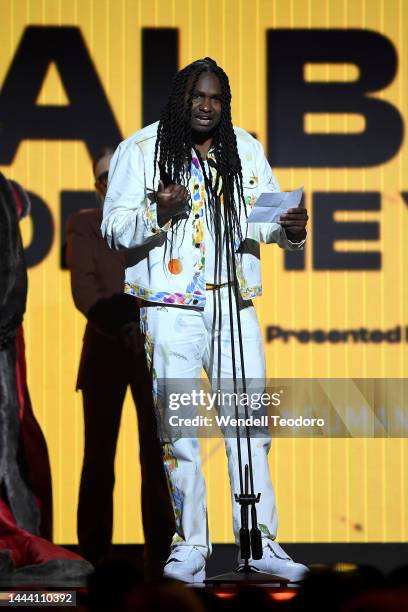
x=327 y=490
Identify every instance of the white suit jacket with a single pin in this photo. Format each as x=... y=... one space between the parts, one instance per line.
x=130 y=222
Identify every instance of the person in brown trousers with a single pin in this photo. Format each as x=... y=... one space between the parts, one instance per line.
x=112 y=359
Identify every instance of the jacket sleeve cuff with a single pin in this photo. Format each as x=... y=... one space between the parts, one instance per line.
x=150 y=220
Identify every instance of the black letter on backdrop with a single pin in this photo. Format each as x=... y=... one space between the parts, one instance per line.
x=159 y=65
x=326 y=231
x=290 y=97
x=88 y=117
x=42 y=231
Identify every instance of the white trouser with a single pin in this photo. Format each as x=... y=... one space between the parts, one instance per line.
x=178 y=346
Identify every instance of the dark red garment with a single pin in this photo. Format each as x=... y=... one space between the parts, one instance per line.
x=24 y=547
x=25 y=478
x=34 y=444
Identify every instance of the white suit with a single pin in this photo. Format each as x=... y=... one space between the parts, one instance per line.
x=181 y=332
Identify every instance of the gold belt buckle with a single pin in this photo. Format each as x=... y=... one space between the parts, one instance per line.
x=210 y=287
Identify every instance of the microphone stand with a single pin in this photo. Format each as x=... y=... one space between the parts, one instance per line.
x=250 y=540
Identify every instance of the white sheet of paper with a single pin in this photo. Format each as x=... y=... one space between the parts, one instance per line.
x=270 y=206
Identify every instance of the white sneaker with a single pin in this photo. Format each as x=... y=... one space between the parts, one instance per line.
x=186 y=563
x=276 y=561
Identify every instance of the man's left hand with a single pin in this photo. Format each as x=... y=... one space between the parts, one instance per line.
x=294 y=221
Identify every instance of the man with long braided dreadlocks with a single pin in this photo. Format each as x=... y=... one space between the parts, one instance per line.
x=179 y=195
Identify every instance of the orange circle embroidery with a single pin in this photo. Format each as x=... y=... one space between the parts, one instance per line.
x=175 y=266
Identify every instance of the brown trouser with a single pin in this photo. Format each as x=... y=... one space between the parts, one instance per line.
x=104 y=380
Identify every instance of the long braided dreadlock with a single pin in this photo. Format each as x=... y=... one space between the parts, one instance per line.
x=174 y=142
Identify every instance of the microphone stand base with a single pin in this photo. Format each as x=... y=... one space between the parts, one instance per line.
x=247 y=576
